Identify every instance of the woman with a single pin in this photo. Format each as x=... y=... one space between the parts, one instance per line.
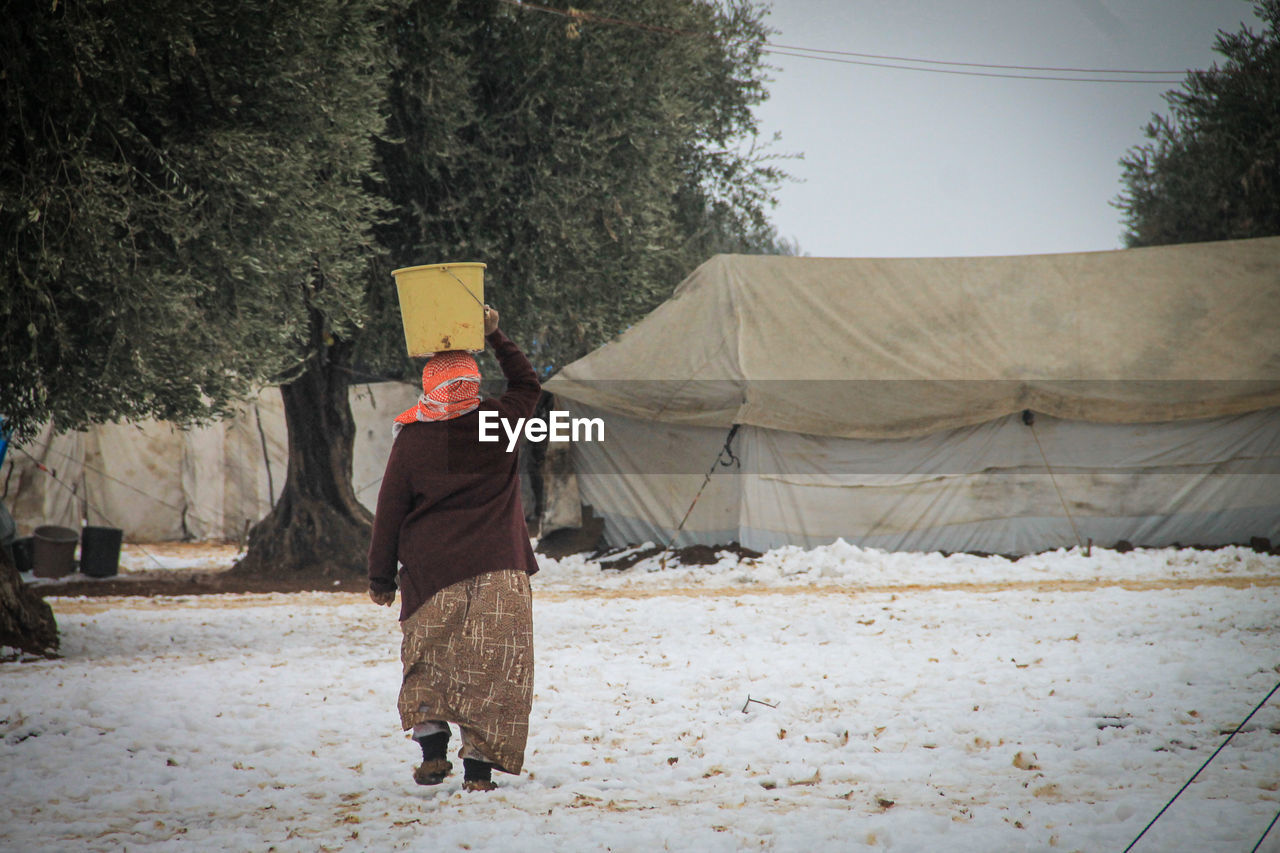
x=450 y=512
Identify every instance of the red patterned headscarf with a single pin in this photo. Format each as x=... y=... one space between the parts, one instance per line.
x=450 y=389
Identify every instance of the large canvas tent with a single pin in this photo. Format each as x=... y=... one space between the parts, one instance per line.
x=998 y=404
x=158 y=482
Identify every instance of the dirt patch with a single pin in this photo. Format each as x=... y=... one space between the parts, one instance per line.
x=100 y=604
x=691 y=555
x=702 y=555
x=617 y=559
x=194 y=582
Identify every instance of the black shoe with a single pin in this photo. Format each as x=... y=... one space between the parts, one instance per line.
x=434 y=747
x=432 y=772
x=434 y=766
x=477 y=775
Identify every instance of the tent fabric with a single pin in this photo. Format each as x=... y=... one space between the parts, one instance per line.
x=983 y=488
x=886 y=348
x=158 y=482
x=881 y=401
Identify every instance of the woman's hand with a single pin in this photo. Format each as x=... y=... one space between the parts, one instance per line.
x=383 y=599
x=490 y=320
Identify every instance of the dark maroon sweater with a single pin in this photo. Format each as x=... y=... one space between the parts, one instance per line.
x=449 y=507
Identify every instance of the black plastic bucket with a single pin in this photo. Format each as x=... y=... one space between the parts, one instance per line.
x=100 y=551
x=53 y=551
x=22 y=553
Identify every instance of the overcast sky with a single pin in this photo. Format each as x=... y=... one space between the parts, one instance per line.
x=907 y=163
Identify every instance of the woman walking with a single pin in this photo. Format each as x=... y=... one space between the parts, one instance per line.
x=449 y=511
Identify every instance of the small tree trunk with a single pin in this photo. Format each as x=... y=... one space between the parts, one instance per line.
x=26 y=620
x=318 y=527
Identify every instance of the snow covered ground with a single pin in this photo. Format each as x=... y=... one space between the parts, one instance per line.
x=899 y=702
x=137 y=559
x=154 y=556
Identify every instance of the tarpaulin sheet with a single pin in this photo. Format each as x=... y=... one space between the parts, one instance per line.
x=884 y=348
x=158 y=482
x=998 y=487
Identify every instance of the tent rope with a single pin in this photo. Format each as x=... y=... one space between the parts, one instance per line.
x=42 y=467
x=1029 y=418
x=49 y=448
x=266 y=456
x=732 y=460
x=1187 y=784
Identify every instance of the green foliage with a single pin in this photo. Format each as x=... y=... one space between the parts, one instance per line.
x=186 y=186
x=179 y=182
x=1212 y=168
x=590 y=165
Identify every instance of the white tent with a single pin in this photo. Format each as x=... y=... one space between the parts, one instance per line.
x=159 y=482
x=881 y=401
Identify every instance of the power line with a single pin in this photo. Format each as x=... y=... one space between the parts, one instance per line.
x=969 y=73
x=840 y=56
x=1063 y=69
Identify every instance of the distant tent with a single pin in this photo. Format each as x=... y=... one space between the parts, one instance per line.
x=160 y=482
x=886 y=401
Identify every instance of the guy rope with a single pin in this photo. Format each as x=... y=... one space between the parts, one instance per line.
x=732 y=460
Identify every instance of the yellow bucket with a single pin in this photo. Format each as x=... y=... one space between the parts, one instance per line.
x=442 y=307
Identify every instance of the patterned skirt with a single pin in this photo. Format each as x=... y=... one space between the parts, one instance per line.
x=468 y=659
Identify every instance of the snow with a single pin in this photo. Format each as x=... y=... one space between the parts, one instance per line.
x=867 y=568
x=135 y=557
x=898 y=702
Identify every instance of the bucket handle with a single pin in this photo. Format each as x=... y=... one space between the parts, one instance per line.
x=464 y=287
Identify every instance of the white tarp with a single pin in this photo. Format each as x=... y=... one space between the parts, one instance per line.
x=158 y=482
x=882 y=348
x=879 y=401
x=979 y=488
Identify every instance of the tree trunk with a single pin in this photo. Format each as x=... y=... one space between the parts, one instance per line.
x=318 y=527
x=26 y=620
